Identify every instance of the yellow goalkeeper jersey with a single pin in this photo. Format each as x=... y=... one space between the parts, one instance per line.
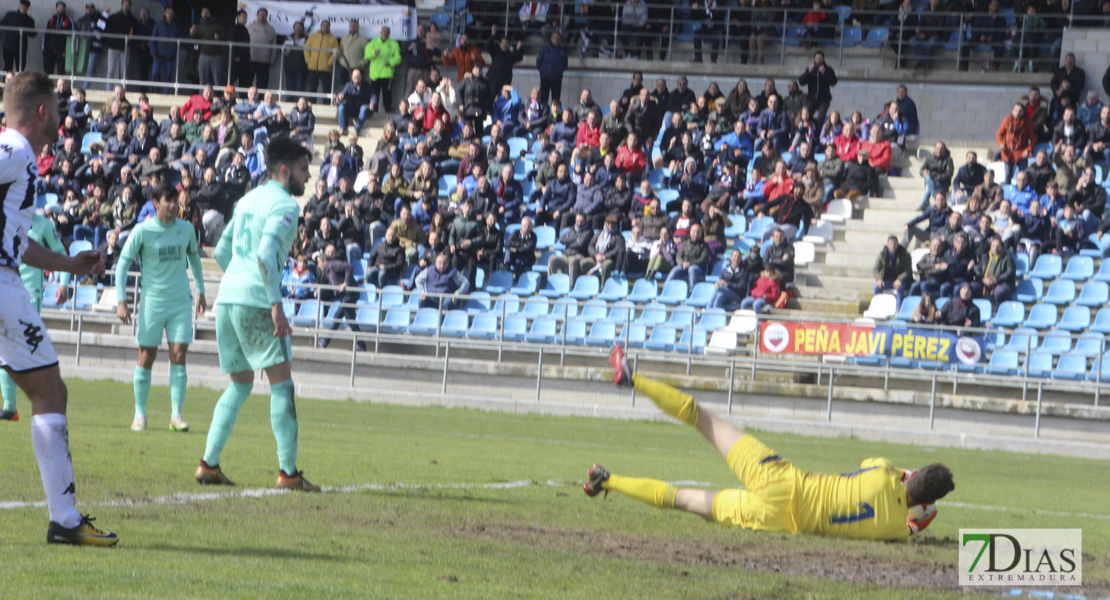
x=869 y=503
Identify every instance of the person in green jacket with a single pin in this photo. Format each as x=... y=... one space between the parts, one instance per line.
x=937 y=171
x=383 y=55
x=893 y=270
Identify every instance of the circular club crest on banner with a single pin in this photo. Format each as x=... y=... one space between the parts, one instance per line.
x=776 y=337
x=968 y=351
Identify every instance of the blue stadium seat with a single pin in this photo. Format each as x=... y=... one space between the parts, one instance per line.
x=78 y=246
x=674 y=292
x=1089 y=344
x=447 y=185
x=759 y=227
x=396 y=321
x=616 y=288
x=425 y=322
x=1029 y=290
x=83 y=299
x=715 y=273
x=713 y=319
x=843 y=12
x=666 y=196
x=876 y=37
x=392 y=296
x=635 y=335
x=89 y=139
x=1103 y=274
x=853 y=36
x=564 y=308
x=585 y=287
x=367 y=318
x=682 y=316
x=1072 y=367
x=48 y=296
x=643 y=291
x=517 y=146
x=1023 y=340
x=499 y=282
x=1021 y=261
x=594 y=310
x=602 y=334
x=1061 y=292
x=1002 y=362
x=621 y=312
x=574 y=331
x=557 y=284
x=369 y=295
x=288 y=306
x=308 y=315
x=543 y=331
x=656 y=177
x=1056 y=342
x=1094 y=293
x=506 y=304
x=515 y=328
x=1042 y=316
x=1100 y=372
x=1048 y=266
x=995 y=339
x=528 y=284
x=662 y=339
x=1038 y=364
x=1075 y=318
x=953 y=42
x=984 y=309
x=541 y=262
x=737 y=228
x=909 y=304
x=479 y=279
x=1080 y=268
x=699 y=337
x=484 y=327
x=545 y=237
x=536 y=307
x=656 y=314
x=455 y=323
x=478 y=303
x=700 y=295
x=1102 y=321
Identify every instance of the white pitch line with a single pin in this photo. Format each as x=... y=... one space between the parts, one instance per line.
x=1054 y=513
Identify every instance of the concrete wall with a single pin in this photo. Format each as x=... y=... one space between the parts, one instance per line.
x=1091 y=47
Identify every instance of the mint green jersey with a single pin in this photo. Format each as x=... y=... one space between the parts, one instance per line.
x=163 y=251
x=268 y=210
x=43 y=232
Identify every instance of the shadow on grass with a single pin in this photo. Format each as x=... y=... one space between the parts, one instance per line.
x=280 y=553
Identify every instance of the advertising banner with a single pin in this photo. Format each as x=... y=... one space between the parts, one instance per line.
x=400 y=19
x=851 y=339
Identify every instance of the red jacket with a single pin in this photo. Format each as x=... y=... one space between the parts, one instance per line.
x=587 y=136
x=767 y=289
x=196 y=102
x=847 y=147
x=772 y=190
x=631 y=162
x=878 y=155
x=428 y=116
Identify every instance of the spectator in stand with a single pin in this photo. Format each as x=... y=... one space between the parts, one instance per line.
x=988 y=29
x=386 y=261
x=1036 y=225
x=1098 y=142
x=774 y=124
x=520 y=250
x=1040 y=172
x=303 y=123
x=780 y=256
x=209 y=34
x=790 y=212
x=848 y=143
x=320 y=50
x=937 y=171
x=352 y=53
x=503 y=56
x=732 y=285
x=262 y=53
x=926 y=312
x=663 y=252
x=551 y=63
x=164 y=49
x=418 y=55
x=475 y=99
x=877 y=150
x=959 y=265
x=15 y=43
x=1069 y=131
x=767 y=291
x=1074 y=75
x=968 y=178
x=510 y=196
x=53 y=44
x=961 y=311
x=997 y=274
x=464 y=57
x=296 y=283
x=1089 y=199
x=631 y=159
x=295 y=61
x=410 y=233
x=606 y=250
x=383 y=54
x=819 y=78
x=932 y=271
x=342 y=290
x=465 y=239
x=860 y=179
x=443 y=280
x=1015 y=139
x=893 y=270
x=201 y=102
x=935 y=216
x=577 y=247
x=692 y=261
x=1088 y=111
x=355 y=100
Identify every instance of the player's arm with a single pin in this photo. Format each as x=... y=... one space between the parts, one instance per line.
x=54 y=244
x=192 y=254
x=225 y=248
x=270 y=252
x=89 y=262
x=126 y=257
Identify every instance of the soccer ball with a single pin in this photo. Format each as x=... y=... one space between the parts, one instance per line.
x=921 y=512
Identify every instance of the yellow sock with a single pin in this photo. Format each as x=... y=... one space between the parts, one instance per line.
x=671 y=401
x=652 y=491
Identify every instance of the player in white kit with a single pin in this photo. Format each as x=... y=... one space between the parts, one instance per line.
x=25 y=348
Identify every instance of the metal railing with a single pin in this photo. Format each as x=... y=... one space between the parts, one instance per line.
x=748 y=361
x=192 y=51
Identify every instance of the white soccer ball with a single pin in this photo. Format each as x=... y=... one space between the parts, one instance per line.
x=921 y=512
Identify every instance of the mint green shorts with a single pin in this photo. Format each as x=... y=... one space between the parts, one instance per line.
x=155 y=317
x=245 y=338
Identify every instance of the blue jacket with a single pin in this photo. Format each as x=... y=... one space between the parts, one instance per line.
x=564 y=133
x=560 y=196
x=506 y=109
x=168 y=32
x=743 y=142
x=589 y=200
x=695 y=188
x=778 y=123
x=511 y=197
x=936 y=219
x=551 y=62
x=422 y=217
x=354 y=98
x=1022 y=198
x=908 y=109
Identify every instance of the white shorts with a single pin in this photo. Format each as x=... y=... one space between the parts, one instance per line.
x=24 y=341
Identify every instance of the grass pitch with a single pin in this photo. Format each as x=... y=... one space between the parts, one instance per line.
x=435 y=503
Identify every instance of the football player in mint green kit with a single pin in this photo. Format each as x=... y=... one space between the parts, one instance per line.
x=163 y=245
x=251 y=329
x=43 y=232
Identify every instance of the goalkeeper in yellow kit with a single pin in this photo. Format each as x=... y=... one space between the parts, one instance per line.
x=870 y=503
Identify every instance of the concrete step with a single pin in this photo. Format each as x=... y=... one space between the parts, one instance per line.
x=827 y=307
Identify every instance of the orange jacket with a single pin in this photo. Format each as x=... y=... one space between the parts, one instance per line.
x=464 y=60
x=1015 y=138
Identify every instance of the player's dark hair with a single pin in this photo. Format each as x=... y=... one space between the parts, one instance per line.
x=164 y=192
x=284 y=151
x=930 y=483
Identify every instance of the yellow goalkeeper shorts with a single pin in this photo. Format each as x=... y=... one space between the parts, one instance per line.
x=767 y=502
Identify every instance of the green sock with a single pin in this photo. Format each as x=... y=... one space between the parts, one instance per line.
x=223 y=420
x=142 y=390
x=283 y=419
x=179 y=380
x=8 y=389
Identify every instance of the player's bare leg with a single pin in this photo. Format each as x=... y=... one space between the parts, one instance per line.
x=50 y=438
x=179 y=382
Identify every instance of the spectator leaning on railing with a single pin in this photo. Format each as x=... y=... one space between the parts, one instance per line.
x=319 y=53
x=263 y=55
x=15 y=43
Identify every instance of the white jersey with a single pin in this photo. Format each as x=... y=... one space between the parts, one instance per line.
x=18 y=171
